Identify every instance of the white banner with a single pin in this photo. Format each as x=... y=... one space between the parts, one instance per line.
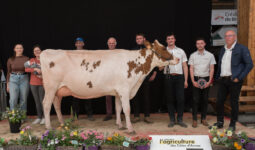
x=224 y=17
x=180 y=142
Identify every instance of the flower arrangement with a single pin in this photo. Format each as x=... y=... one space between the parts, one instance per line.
x=229 y=139
x=116 y=139
x=26 y=137
x=49 y=140
x=69 y=138
x=92 y=138
x=14 y=116
x=141 y=140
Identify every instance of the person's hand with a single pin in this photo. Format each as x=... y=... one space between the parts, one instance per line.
x=7 y=88
x=152 y=78
x=195 y=84
x=207 y=85
x=185 y=84
x=37 y=70
x=235 y=80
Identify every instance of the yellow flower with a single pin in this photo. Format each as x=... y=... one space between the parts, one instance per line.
x=66 y=128
x=222 y=134
x=21 y=132
x=239 y=147
x=218 y=133
x=215 y=139
x=75 y=133
x=12 y=111
x=109 y=138
x=229 y=133
x=116 y=134
x=235 y=144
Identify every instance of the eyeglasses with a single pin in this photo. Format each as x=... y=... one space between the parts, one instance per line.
x=229 y=35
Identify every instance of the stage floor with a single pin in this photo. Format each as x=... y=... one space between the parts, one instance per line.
x=158 y=127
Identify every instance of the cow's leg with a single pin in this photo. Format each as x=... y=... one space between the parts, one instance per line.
x=47 y=102
x=118 y=108
x=126 y=108
x=57 y=106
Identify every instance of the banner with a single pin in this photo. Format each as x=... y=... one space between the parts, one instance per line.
x=224 y=17
x=180 y=142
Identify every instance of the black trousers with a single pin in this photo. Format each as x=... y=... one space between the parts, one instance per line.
x=77 y=103
x=227 y=86
x=174 y=91
x=142 y=96
x=200 y=98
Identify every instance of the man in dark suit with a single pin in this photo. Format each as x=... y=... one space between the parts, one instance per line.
x=234 y=64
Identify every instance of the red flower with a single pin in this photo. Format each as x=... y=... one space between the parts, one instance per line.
x=150 y=138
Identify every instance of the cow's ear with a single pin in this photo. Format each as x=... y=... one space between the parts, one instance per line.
x=147 y=44
x=156 y=44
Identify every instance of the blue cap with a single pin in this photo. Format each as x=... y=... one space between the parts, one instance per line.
x=79 y=39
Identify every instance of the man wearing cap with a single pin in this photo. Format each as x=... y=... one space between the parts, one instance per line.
x=111 y=43
x=201 y=73
x=79 y=44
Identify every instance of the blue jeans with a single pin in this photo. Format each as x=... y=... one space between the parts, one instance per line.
x=19 y=88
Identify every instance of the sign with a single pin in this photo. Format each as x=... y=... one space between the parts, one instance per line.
x=180 y=142
x=224 y=17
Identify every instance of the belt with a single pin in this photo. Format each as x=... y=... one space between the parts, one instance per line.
x=197 y=77
x=19 y=73
x=226 y=77
x=175 y=74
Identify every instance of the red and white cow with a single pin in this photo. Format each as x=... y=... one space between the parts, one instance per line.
x=91 y=74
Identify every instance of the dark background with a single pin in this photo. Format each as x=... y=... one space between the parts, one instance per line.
x=56 y=24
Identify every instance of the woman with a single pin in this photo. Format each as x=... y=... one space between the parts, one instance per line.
x=36 y=84
x=17 y=78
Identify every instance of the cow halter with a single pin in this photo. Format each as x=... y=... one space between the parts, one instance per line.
x=159 y=55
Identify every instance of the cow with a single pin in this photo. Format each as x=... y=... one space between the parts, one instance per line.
x=88 y=74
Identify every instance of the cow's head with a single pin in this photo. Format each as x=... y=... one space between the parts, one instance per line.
x=163 y=57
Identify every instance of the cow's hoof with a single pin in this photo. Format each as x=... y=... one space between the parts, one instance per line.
x=131 y=133
x=123 y=128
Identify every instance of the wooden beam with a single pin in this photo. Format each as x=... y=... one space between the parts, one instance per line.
x=246 y=33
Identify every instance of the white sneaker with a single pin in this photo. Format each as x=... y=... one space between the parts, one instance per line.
x=37 y=121
x=42 y=121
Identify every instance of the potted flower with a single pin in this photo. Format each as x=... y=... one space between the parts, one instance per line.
x=92 y=139
x=142 y=142
x=69 y=140
x=15 y=117
x=116 y=142
x=228 y=139
x=49 y=140
x=25 y=141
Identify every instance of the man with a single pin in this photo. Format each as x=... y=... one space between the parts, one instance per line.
x=143 y=94
x=111 y=43
x=79 y=44
x=234 y=65
x=201 y=73
x=175 y=82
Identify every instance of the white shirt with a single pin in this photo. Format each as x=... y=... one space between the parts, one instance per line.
x=179 y=53
x=226 y=61
x=201 y=63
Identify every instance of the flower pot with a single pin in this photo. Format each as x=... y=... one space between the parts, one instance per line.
x=15 y=127
x=91 y=147
x=111 y=147
x=68 y=148
x=142 y=147
x=250 y=146
x=19 y=147
x=220 y=147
